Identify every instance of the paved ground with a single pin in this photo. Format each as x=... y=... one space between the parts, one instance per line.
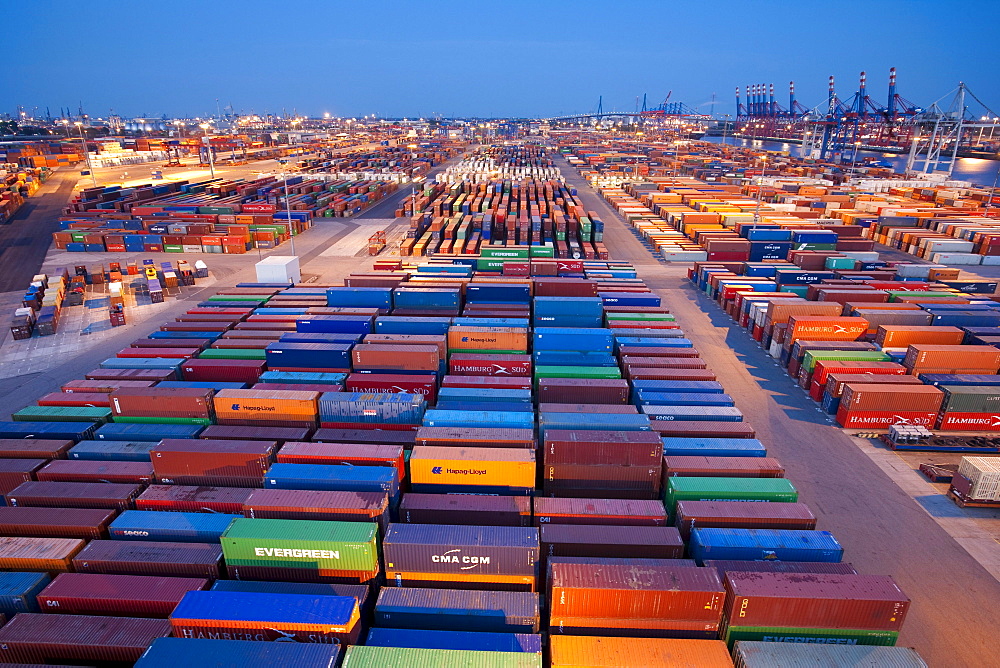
x=884 y=530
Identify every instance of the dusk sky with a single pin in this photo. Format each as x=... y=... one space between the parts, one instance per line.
x=468 y=58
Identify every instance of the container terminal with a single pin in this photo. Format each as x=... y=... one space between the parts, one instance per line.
x=496 y=394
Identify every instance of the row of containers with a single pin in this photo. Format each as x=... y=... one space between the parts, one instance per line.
x=463 y=214
x=559 y=495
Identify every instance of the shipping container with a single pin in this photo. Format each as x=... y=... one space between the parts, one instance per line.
x=196 y=560
x=303 y=504
x=754 y=654
x=212 y=462
x=30 y=448
x=485 y=437
x=47 y=638
x=334 y=477
x=427 y=639
x=764 y=544
x=467 y=509
x=355 y=454
x=743 y=515
x=74 y=495
x=458 y=610
x=573 y=540
x=724 y=566
x=222 y=653
x=124 y=595
x=722 y=489
x=82 y=470
x=178 y=527
x=194 y=499
x=615 y=512
x=39 y=554
x=365 y=656
x=55 y=522
x=722 y=467
x=596 y=652
x=507 y=471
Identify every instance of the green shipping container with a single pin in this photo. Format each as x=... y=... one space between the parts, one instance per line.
x=778 y=490
x=543 y=251
x=366 y=656
x=144 y=419
x=238 y=298
x=62 y=414
x=306 y=544
x=799 y=290
x=811 y=356
x=233 y=354
x=489 y=264
x=804 y=635
x=840 y=262
x=171 y=248
x=653 y=317
x=497 y=252
x=577 y=372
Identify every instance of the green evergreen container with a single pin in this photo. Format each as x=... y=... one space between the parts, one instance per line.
x=489 y=264
x=682 y=488
x=327 y=546
x=368 y=656
x=233 y=354
x=62 y=414
x=506 y=253
x=543 y=251
x=805 y=635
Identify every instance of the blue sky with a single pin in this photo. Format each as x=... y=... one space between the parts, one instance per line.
x=514 y=57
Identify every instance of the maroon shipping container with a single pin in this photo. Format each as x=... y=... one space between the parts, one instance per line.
x=705 y=429
x=52 y=494
x=602 y=448
x=496 y=382
x=583 y=390
x=193 y=461
x=182 y=402
x=724 y=566
x=132 y=374
x=188 y=498
x=623 y=561
x=209 y=317
x=816 y=600
x=742 y=515
x=55 y=522
x=588 y=408
x=468 y=509
x=34 y=448
x=347 y=435
x=103 y=386
x=200 y=344
x=608 y=482
x=664 y=362
x=256 y=433
x=577 y=540
x=425 y=385
x=722 y=467
x=481 y=437
x=281 y=574
x=126 y=595
x=663 y=373
x=75 y=399
x=618 y=512
x=222 y=370
x=657 y=601
x=141 y=557
x=564 y=287
x=647 y=351
x=194 y=326
x=86 y=470
x=53 y=638
x=354 y=454
x=157 y=353
x=13 y=472
x=304 y=504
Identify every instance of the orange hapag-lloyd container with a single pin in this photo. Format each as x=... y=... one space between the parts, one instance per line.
x=463 y=337
x=610 y=652
x=266 y=405
x=484 y=470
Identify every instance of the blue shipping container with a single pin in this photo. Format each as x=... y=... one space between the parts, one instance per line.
x=508 y=420
x=714 y=447
x=170 y=526
x=397 y=324
x=458 y=610
x=66 y=431
x=694 y=413
x=309 y=355
x=349 y=324
x=124 y=431
x=333 y=477
x=363 y=297
x=18 y=592
x=119 y=451
x=764 y=545
x=371 y=408
x=653 y=398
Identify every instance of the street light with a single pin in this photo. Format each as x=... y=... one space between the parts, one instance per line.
x=65 y=124
x=208 y=144
x=86 y=153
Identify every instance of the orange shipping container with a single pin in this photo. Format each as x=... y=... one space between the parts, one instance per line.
x=39 y=554
x=923 y=356
x=439 y=340
x=507 y=339
x=599 y=652
x=266 y=405
x=901 y=336
x=386 y=356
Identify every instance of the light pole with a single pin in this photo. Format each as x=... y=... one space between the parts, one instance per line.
x=65 y=124
x=208 y=147
x=854 y=161
x=760 y=182
x=86 y=153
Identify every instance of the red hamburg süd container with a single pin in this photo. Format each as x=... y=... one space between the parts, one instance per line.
x=185 y=402
x=742 y=515
x=498 y=382
x=141 y=557
x=103 y=386
x=705 y=429
x=468 y=509
x=966 y=421
x=125 y=595
x=815 y=600
x=13 y=472
x=583 y=390
x=304 y=504
x=55 y=638
x=481 y=437
x=883 y=419
x=602 y=448
x=30 y=521
x=722 y=467
x=34 y=448
x=354 y=454
x=52 y=494
x=618 y=512
x=212 y=462
x=186 y=498
x=255 y=433
x=223 y=370
x=487 y=364
x=85 y=470
x=425 y=385
x=75 y=399
x=578 y=540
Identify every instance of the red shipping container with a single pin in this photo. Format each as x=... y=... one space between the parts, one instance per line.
x=86 y=470
x=257 y=433
x=55 y=522
x=704 y=429
x=466 y=509
x=664 y=362
x=583 y=390
x=200 y=344
x=664 y=373
x=33 y=448
x=305 y=504
x=146 y=557
x=354 y=454
x=835 y=382
x=126 y=595
x=222 y=370
x=486 y=364
x=874 y=419
x=187 y=498
x=964 y=421
x=387 y=356
x=212 y=462
x=742 y=515
x=394 y=383
x=183 y=402
x=875 y=397
x=167 y=353
x=40 y=638
x=132 y=374
x=75 y=399
x=618 y=512
x=13 y=472
x=103 y=386
x=602 y=448
x=722 y=467
x=53 y=494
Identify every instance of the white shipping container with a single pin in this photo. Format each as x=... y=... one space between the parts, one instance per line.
x=278 y=269
x=956 y=258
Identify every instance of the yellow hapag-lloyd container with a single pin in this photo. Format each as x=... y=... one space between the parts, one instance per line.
x=463 y=337
x=266 y=404
x=435 y=469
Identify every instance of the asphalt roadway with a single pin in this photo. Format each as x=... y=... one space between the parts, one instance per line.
x=955 y=602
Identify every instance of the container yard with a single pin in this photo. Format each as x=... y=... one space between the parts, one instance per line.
x=593 y=398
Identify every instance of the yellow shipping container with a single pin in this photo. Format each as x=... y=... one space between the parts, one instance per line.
x=472 y=467
x=266 y=404
x=463 y=337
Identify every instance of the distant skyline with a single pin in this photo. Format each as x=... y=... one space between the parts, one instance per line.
x=515 y=58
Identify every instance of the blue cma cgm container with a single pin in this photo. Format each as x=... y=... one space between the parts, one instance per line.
x=485 y=642
x=714 y=447
x=170 y=526
x=333 y=477
x=764 y=545
x=457 y=610
x=119 y=451
x=125 y=431
x=19 y=591
x=364 y=297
